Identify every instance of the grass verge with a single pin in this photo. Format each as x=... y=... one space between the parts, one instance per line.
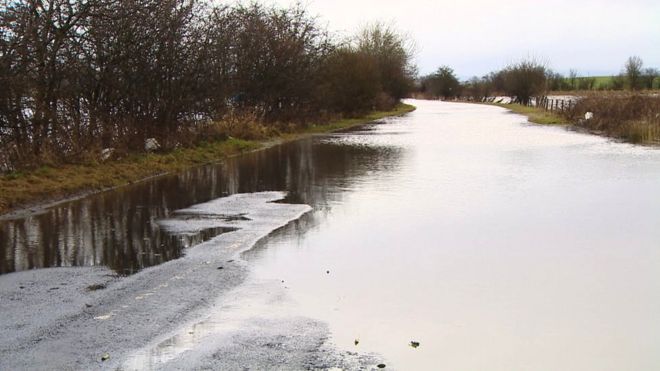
x=49 y=184
x=534 y=114
x=631 y=117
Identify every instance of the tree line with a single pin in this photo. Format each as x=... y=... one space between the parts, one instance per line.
x=529 y=78
x=78 y=76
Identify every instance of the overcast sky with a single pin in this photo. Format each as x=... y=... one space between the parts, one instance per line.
x=478 y=36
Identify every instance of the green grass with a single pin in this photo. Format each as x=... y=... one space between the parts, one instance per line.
x=51 y=183
x=605 y=82
x=601 y=82
x=534 y=114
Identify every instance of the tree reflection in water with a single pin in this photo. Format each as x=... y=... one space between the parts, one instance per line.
x=118 y=228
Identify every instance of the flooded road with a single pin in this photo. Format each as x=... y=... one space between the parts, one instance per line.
x=493 y=243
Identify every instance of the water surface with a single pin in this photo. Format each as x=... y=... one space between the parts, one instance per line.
x=496 y=244
x=119 y=228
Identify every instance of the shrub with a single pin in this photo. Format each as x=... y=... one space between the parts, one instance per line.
x=632 y=117
x=79 y=76
x=393 y=55
x=524 y=80
x=442 y=83
x=351 y=81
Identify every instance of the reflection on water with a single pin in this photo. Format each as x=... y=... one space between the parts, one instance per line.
x=119 y=228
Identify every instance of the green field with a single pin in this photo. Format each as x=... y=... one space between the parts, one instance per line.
x=605 y=82
x=602 y=82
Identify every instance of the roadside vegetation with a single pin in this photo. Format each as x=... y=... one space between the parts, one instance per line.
x=634 y=118
x=98 y=79
x=100 y=93
x=535 y=114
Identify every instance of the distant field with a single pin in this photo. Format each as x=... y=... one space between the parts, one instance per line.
x=602 y=82
x=605 y=82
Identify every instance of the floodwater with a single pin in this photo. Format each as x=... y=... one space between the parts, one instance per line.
x=495 y=244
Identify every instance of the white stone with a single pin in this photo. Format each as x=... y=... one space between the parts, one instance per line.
x=588 y=116
x=107 y=153
x=151 y=145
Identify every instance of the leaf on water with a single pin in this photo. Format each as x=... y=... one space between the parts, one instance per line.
x=96 y=287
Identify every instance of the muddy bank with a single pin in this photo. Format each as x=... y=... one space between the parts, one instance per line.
x=70 y=318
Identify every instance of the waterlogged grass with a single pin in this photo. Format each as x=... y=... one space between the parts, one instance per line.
x=534 y=114
x=400 y=109
x=48 y=183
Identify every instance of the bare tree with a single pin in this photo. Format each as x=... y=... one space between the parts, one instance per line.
x=351 y=81
x=633 y=72
x=393 y=53
x=442 y=83
x=81 y=75
x=524 y=80
x=573 y=79
x=648 y=77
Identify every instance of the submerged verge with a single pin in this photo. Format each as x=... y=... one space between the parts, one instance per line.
x=51 y=184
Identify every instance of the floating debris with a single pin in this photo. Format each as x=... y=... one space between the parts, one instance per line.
x=328 y=272
x=381 y=365
x=414 y=344
x=105 y=357
x=221 y=267
x=357 y=341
